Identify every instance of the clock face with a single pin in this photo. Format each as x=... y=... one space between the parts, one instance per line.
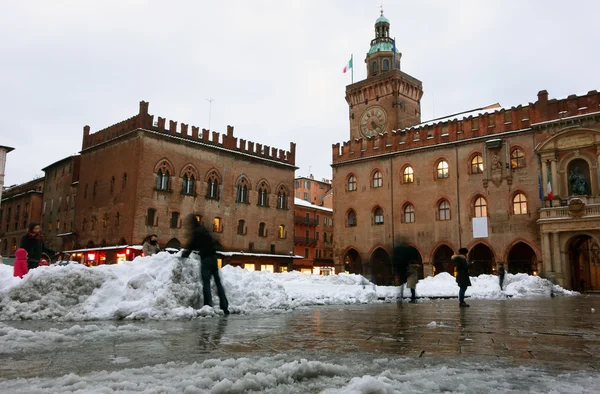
x=373 y=121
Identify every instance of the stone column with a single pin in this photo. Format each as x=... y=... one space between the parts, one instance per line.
x=546 y=254
x=557 y=260
x=544 y=179
x=554 y=176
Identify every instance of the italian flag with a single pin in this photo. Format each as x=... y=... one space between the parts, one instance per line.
x=348 y=66
x=549 y=187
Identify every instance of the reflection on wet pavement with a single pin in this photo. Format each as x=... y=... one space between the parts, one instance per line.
x=560 y=333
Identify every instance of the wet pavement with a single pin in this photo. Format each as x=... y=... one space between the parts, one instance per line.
x=561 y=334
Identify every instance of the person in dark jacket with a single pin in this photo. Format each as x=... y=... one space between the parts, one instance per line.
x=462 y=274
x=202 y=242
x=501 y=273
x=33 y=243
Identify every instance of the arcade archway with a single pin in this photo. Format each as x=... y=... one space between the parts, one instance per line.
x=381 y=270
x=521 y=259
x=352 y=262
x=482 y=258
x=442 y=260
x=584 y=263
x=174 y=243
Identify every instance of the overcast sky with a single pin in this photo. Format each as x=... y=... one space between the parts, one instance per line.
x=273 y=68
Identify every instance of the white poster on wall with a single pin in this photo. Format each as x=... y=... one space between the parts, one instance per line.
x=480 y=227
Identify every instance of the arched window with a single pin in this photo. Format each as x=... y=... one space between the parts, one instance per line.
x=282 y=198
x=409 y=213
x=242 y=191
x=241 y=228
x=377 y=179
x=188 y=184
x=408 y=175
x=374 y=67
x=444 y=210
x=480 y=207
x=351 y=218
x=150 y=217
x=378 y=216
x=212 y=190
x=174 y=219
x=263 y=195
x=262 y=229
x=281 y=233
x=520 y=204
x=217 y=225
x=477 y=164
x=517 y=158
x=162 y=179
x=351 y=183
x=386 y=64
x=442 y=169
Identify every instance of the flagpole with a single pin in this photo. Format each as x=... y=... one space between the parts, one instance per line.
x=352 y=68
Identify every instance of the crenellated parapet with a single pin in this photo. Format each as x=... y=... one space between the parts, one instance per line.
x=143 y=120
x=480 y=123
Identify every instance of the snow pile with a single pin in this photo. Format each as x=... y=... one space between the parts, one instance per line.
x=483 y=287
x=14 y=340
x=166 y=287
x=285 y=374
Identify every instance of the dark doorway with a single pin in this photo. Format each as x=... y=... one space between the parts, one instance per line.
x=482 y=260
x=521 y=259
x=174 y=243
x=442 y=260
x=352 y=262
x=381 y=268
x=584 y=262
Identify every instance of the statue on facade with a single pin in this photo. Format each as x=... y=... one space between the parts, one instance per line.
x=578 y=182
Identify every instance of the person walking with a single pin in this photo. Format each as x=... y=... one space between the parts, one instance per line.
x=462 y=274
x=400 y=260
x=151 y=247
x=20 y=267
x=501 y=273
x=411 y=283
x=202 y=242
x=33 y=243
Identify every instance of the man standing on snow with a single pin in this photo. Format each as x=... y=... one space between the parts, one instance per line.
x=501 y=273
x=34 y=245
x=201 y=241
x=462 y=274
x=151 y=247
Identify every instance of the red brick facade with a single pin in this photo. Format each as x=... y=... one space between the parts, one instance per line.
x=20 y=206
x=312 y=190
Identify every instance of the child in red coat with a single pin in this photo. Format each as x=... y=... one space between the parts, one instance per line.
x=20 y=267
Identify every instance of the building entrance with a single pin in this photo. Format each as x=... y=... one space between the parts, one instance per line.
x=584 y=263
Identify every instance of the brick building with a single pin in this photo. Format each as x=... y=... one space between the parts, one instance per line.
x=20 y=206
x=473 y=179
x=140 y=176
x=313 y=237
x=58 y=212
x=312 y=190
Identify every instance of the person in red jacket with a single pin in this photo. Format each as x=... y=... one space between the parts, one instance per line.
x=20 y=267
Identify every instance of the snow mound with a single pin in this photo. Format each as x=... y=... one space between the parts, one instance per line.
x=164 y=286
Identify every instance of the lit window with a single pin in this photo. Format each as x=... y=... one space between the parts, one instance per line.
x=378 y=215
x=377 y=179
x=520 y=204
x=409 y=213
x=477 y=164
x=281 y=233
x=351 y=183
x=517 y=159
x=408 y=175
x=444 y=210
x=480 y=207
x=442 y=169
x=217 y=225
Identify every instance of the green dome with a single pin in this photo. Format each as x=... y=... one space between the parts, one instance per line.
x=382 y=47
x=382 y=19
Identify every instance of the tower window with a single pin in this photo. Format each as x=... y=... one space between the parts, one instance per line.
x=386 y=64
x=374 y=67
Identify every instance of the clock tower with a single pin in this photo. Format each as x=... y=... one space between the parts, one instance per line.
x=388 y=99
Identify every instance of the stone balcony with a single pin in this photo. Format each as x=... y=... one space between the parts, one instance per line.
x=575 y=208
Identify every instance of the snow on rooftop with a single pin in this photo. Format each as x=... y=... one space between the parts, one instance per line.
x=303 y=203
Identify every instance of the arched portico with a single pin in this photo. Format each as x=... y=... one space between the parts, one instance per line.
x=482 y=258
x=381 y=267
x=442 y=260
x=352 y=262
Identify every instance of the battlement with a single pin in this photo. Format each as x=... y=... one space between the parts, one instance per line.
x=227 y=141
x=486 y=123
